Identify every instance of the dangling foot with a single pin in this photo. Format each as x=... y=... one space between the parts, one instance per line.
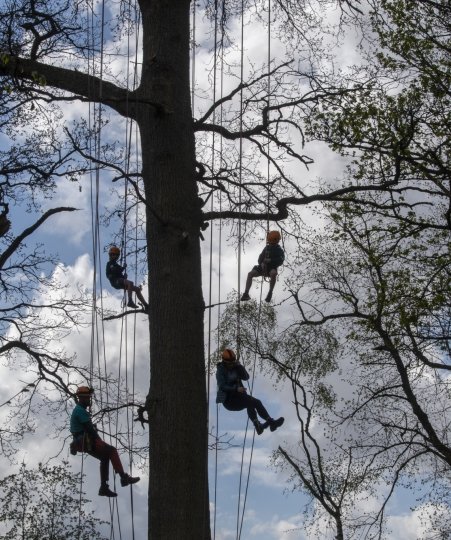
x=127 y=480
x=145 y=307
x=105 y=491
x=268 y=297
x=258 y=427
x=274 y=424
x=131 y=304
x=245 y=297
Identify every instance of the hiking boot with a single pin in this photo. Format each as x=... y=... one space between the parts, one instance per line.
x=274 y=424
x=268 y=297
x=105 y=491
x=258 y=427
x=245 y=297
x=127 y=480
x=131 y=304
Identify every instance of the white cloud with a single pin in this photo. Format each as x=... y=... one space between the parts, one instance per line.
x=43 y=445
x=413 y=525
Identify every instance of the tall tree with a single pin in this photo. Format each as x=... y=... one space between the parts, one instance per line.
x=378 y=280
x=380 y=275
x=37 y=36
x=382 y=292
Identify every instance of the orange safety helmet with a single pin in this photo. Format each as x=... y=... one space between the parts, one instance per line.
x=114 y=251
x=273 y=237
x=228 y=355
x=84 y=391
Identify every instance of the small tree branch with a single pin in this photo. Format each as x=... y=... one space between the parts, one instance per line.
x=30 y=230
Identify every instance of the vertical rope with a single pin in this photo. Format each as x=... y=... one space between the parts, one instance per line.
x=215 y=70
x=213 y=151
x=124 y=333
x=113 y=504
x=95 y=124
x=240 y=180
x=193 y=58
x=89 y=26
x=136 y=264
x=251 y=385
x=268 y=161
x=130 y=433
x=251 y=389
x=221 y=47
x=213 y=156
x=240 y=177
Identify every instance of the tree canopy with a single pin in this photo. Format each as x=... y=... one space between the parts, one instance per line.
x=371 y=284
x=46 y=503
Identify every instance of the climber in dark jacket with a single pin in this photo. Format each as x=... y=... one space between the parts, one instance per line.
x=268 y=261
x=232 y=393
x=118 y=279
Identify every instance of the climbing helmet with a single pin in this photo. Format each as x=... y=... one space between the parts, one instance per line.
x=273 y=237
x=228 y=355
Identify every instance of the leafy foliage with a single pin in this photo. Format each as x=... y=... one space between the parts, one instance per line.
x=45 y=503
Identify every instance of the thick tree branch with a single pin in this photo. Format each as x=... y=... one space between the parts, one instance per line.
x=338 y=195
x=83 y=86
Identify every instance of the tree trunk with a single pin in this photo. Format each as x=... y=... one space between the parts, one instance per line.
x=178 y=482
x=339 y=524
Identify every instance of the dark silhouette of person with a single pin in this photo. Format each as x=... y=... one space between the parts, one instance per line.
x=118 y=279
x=86 y=439
x=232 y=393
x=268 y=261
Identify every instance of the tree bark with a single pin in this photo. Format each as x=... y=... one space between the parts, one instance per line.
x=178 y=482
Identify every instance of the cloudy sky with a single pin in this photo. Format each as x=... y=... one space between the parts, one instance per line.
x=273 y=511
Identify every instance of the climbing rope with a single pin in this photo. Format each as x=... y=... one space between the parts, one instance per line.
x=128 y=143
x=240 y=520
x=98 y=111
x=124 y=341
x=217 y=50
x=98 y=331
x=240 y=241
x=94 y=123
x=221 y=118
